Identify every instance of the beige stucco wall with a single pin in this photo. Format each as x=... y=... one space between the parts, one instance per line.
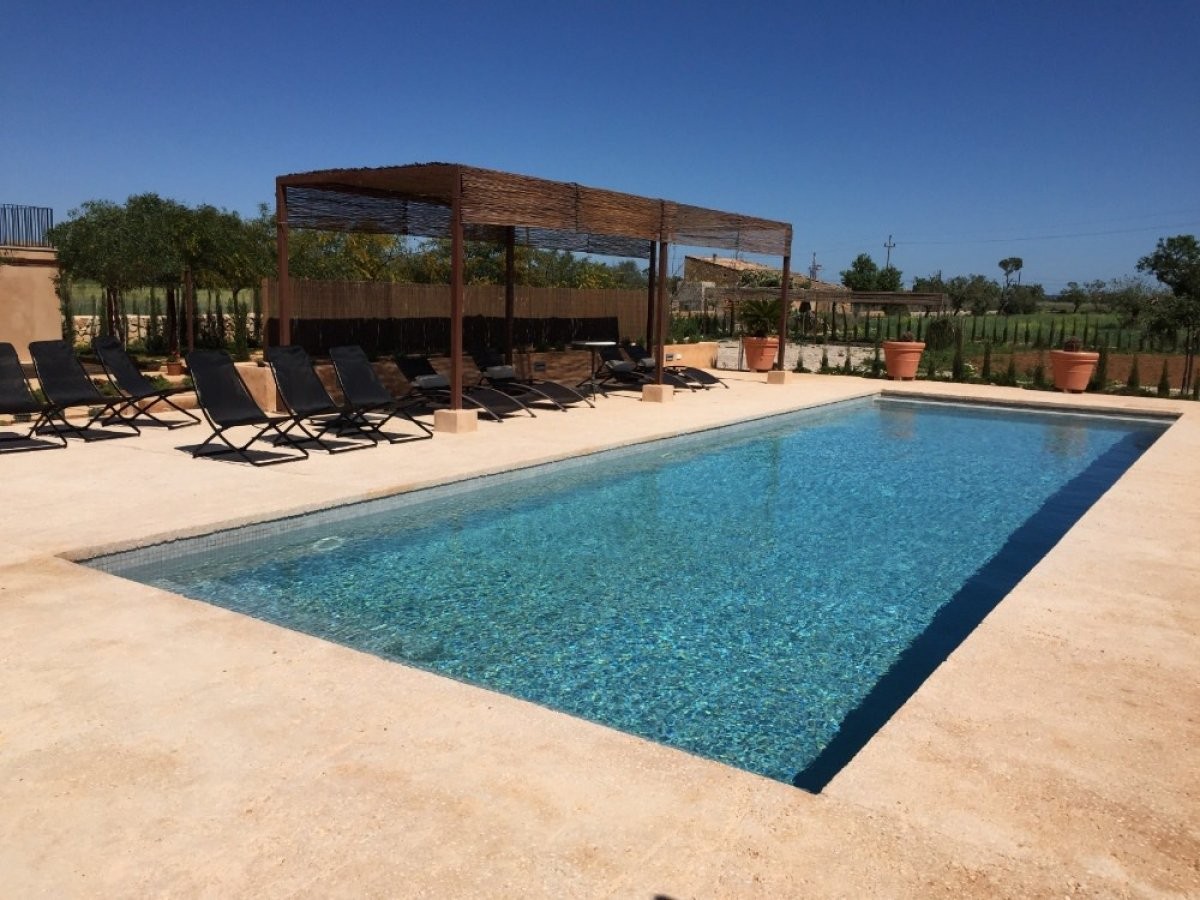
x=28 y=304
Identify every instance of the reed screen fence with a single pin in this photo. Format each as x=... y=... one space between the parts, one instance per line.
x=388 y=317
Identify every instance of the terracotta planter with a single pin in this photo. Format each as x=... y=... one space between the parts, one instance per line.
x=902 y=358
x=761 y=353
x=172 y=368
x=1073 y=369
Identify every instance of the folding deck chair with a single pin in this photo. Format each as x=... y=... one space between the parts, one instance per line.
x=136 y=387
x=66 y=384
x=17 y=399
x=495 y=373
x=367 y=398
x=226 y=403
x=427 y=384
x=307 y=400
x=645 y=362
x=614 y=369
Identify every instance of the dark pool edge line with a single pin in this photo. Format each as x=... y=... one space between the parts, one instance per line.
x=971 y=604
x=1165 y=416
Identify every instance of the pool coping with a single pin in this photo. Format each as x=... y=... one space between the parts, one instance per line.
x=938 y=797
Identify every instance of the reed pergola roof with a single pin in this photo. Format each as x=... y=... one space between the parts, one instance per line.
x=554 y=215
x=464 y=203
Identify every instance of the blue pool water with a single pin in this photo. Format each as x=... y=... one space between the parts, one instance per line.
x=765 y=595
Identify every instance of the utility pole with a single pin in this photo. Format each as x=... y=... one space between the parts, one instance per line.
x=814 y=269
x=888 y=246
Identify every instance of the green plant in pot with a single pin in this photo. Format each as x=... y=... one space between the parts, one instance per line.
x=902 y=357
x=759 y=318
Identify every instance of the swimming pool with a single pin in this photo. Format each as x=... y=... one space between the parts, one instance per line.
x=764 y=595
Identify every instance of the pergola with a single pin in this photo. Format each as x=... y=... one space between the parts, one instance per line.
x=464 y=203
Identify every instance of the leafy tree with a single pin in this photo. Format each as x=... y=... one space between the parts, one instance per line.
x=94 y=244
x=974 y=292
x=862 y=275
x=889 y=279
x=1024 y=298
x=1011 y=265
x=1129 y=298
x=1075 y=295
x=1175 y=262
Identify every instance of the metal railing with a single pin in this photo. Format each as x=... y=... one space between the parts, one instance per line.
x=25 y=226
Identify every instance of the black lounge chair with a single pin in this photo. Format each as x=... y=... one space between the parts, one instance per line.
x=646 y=362
x=17 y=399
x=66 y=384
x=226 y=403
x=308 y=401
x=430 y=386
x=369 y=404
x=614 y=370
x=136 y=387
x=494 y=372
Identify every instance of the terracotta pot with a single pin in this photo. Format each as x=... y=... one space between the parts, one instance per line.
x=903 y=358
x=761 y=353
x=1073 y=369
x=173 y=368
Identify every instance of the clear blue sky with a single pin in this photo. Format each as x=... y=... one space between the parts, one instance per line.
x=1063 y=132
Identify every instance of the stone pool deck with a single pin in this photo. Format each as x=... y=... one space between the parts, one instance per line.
x=151 y=745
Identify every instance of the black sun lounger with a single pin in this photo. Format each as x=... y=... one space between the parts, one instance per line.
x=129 y=380
x=369 y=404
x=616 y=371
x=429 y=385
x=495 y=373
x=16 y=399
x=308 y=401
x=226 y=403
x=66 y=384
x=646 y=362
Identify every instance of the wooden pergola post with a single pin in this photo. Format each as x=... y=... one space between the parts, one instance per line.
x=510 y=290
x=284 y=287
x=784 y=309
x=660 y=353
x=651 y=287
x=456 y=294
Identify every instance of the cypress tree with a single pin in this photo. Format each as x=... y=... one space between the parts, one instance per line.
x=824 y=360
x=1164 y=382
x=958 y=368
x=986 y=372
x=1039 y=370
x=1010 y=374
x=1134 y=381
x=1100 y=376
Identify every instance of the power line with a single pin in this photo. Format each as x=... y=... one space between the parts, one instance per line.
x=1051 y=237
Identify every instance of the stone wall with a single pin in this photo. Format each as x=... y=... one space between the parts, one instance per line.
x=28 y=303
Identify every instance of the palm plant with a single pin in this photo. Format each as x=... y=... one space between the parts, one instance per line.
x=760 y=316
